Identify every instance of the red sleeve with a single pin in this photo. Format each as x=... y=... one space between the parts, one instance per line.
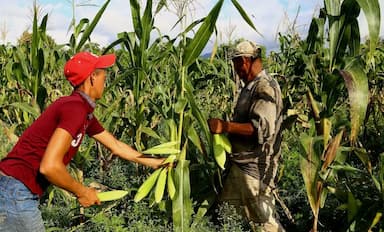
x=71 y=117
x=94 y=127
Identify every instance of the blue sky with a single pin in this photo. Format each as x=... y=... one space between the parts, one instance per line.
x=269 y=17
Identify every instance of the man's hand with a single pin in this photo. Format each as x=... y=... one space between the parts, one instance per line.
x=88 y=197
x=217 y=126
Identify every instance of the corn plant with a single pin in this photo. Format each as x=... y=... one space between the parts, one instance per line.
x=320 y=146
x=180 y=116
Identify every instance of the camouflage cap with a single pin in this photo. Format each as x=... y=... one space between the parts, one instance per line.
x=246 y=48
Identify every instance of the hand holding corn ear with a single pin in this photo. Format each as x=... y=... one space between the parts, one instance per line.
x=217 y=126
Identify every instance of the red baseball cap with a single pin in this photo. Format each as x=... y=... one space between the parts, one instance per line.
x=82 y=64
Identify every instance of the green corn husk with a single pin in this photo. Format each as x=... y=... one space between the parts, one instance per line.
x=171 y=184
x=111 y=195
x=221 y=145
x=147 y=186
x=160 y=185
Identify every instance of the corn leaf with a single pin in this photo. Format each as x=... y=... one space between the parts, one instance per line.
x=356 y=82
x=333 y=9
x=197 y=112
x=111 y=195
x=89 y=29
x=136 y=20
x=375 y=220
x=371 y=9
x=326 y=126
x=149 y=132
x=331 y=151
x=182 y=204
x=245 y=16
x=194 y=137
x=197 y=44
x=147 y=24
x=310 y=165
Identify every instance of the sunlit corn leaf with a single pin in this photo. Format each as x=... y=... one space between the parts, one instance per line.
x=375 y=220
x=309 y=166
x=25 y=107
x=333 y=9
x=194 y=137
x=214 y=50
x=111 y=195
x=197 y=112
x=371 y=9
x=331 y=151
x=89 y=29
x=356 y=82
x=180 y=105
x=150 y=132
x=197 y=44
x=165 y=148
x=203 y=208
x=147 y=25
x=181 y=203
x=345 y=167
x=314 y=105
x=244 y=15
x=172 y=129
x=326 y=126
x=160 y=185
x=147 y=186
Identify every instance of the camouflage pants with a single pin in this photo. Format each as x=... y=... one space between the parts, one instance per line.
x=252 y=198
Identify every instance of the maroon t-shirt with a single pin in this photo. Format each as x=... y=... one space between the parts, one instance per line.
x=72 y=113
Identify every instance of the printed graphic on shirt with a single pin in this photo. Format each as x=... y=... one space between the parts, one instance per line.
x=76 y=141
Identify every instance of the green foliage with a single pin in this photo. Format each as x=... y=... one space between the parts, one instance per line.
x=161 y=91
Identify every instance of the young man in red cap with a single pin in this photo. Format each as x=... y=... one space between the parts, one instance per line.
x=42 y=152
x=255 y=136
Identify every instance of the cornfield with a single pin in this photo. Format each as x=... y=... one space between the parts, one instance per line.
x=160 y=94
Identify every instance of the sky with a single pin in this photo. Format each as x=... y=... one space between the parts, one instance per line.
x=269 y=17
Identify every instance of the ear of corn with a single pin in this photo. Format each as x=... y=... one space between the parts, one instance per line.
x=160 y=185
x=111 y=195
x=223 y=139
x=220 y=155
x=221 y=145
x=147 y=186
x=170 y=159
x=171 y=184
x=165 y=148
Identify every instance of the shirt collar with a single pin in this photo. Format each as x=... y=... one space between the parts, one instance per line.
x=250 y=85
x=87 y=98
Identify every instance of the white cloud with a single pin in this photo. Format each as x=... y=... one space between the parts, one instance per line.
x=269 y=17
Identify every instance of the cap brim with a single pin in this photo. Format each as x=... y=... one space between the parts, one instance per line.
x=105 y=61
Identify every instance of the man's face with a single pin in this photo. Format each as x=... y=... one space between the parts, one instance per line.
x=98 y=77
x=241 y=66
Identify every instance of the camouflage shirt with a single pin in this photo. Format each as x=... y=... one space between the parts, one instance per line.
x=259 y=103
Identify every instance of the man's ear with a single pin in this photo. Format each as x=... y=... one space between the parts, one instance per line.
x=91 y=79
